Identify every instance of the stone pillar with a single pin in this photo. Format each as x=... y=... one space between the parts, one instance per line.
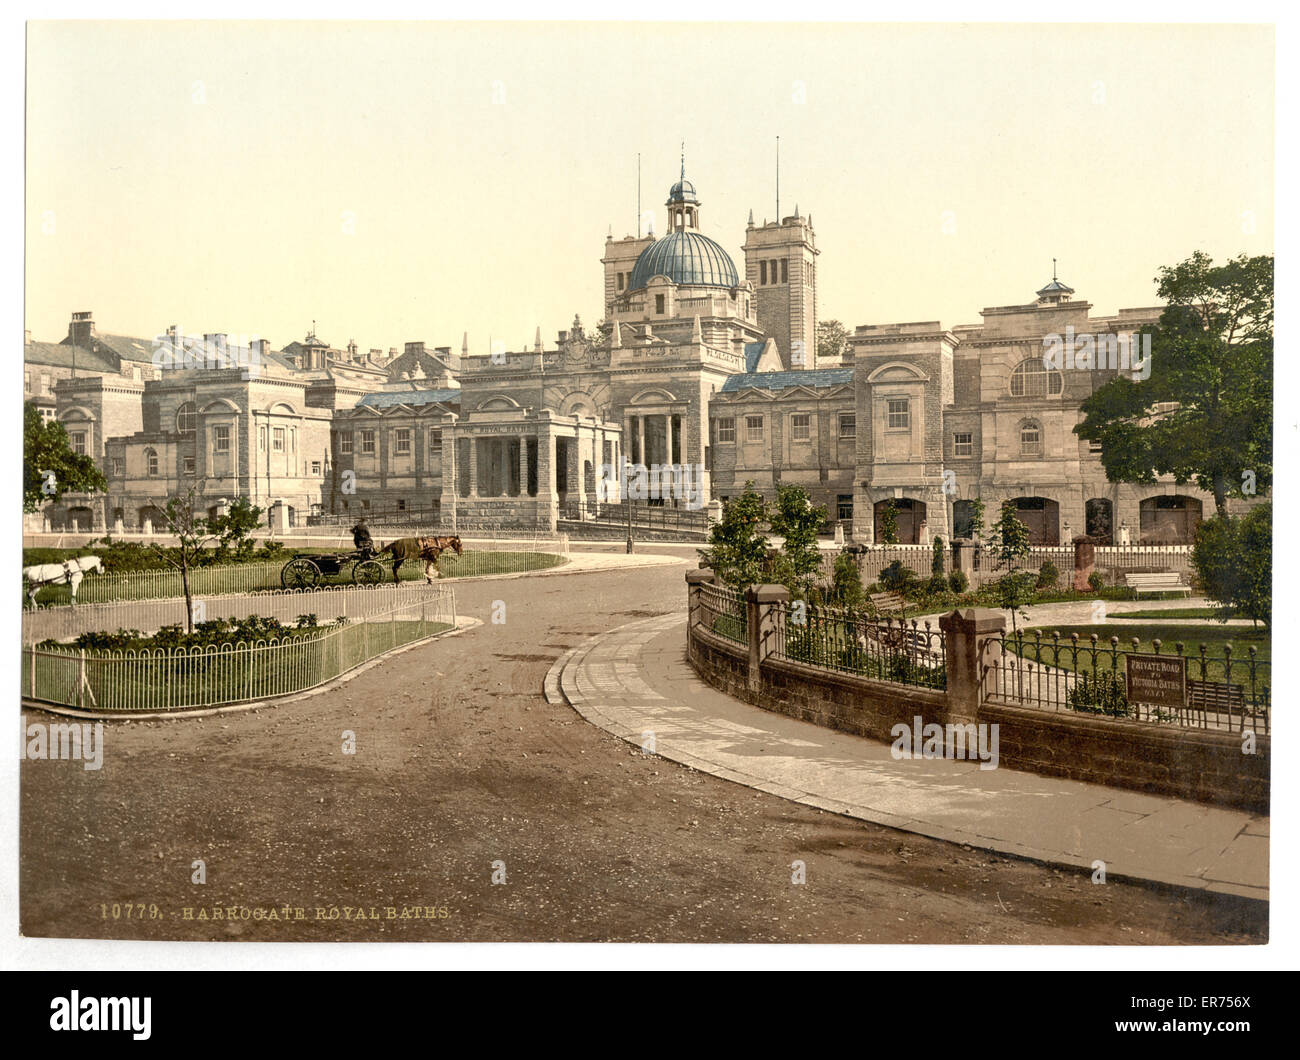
x=473 y=466
x=1085 y=554
x=963 y=558
x=714 y=508
x=279 y=517
x=548 y=502
x=971 y=643
x=763 y=604
x=523 y=466
x=447 y=496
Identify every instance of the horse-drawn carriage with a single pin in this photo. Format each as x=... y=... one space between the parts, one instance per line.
x=305 y=569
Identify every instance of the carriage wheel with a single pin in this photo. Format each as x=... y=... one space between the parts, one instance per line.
x=368 y=572
x=300 y=574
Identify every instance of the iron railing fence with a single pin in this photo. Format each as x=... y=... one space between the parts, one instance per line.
x=1224 y=691
x=898 y=651
x=161 y=680
x=285 y=605
x=723 y=611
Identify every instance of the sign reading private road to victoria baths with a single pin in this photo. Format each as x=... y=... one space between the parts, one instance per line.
x=1159 y=680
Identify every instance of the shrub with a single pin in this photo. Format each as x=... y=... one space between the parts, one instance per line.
x=1101 y=693
x=1233 y=558
x=846 y=582
x=1048 y=575
x=958 y=582
x=936 y=560
x=897 y=578
x=1096 y=582
x=937 y=583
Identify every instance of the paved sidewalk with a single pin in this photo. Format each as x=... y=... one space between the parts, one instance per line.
x=635 y=680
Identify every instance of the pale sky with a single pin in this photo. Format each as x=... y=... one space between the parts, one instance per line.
x=415 y=181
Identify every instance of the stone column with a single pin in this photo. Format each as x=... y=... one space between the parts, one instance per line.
x=548 y=502
x=523 y=466
x=763 y=604
x=473 y=466
x=971 y=644
x=447 y=496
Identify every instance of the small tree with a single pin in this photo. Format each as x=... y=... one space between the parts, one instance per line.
x=193 y=532
x=977 y=519
x=50 y=467
x=1015 y=591
x=1233 y=557
x=889 y=524
x=233 y=529
x=832 y=341
x=797 y=521
x=737 y=549
x=1009 y=537
x=846 y=583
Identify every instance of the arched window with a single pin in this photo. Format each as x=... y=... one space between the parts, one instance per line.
x=1032 y=379
x=151 y=461
x=1031 y=438
x=186 y=416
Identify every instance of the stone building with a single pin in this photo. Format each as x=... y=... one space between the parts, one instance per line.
x=702 y=375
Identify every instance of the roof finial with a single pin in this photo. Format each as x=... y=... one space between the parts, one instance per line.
x=683 y=161
x=1053 y=269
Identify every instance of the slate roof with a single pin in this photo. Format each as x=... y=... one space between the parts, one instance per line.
x=814 y=377
x=390 y=398
x=57 y=355
x=753 y=351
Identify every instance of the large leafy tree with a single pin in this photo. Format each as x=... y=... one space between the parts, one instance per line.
x=1205 y=413
x=832 y=341
x=50 y=467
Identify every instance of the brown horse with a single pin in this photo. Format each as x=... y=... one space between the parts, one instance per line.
x=425 y=548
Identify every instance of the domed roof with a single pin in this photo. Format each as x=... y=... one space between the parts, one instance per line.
x=682 y=191
x=687 y=258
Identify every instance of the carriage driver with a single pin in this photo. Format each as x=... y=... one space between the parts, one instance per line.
x=361 y=537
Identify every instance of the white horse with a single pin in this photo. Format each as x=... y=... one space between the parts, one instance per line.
x=69 y=573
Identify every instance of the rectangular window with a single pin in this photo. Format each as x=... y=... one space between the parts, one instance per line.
x=221 y=439
x=315 y=467
x=367 y=441
x=762 y=272
x=785 y=270
x=402 y=440
x=27 y=379
x=844 y=506
x=45 y=383
x=188 y=464
x=620 y=280
x=345 y=441
x=659 y=303
x=800 y=426
x=848 y=424
x=151 y=462
x=961 y=443
x=727 y=429
x=293 y=439
x=401 y=504
x=261 y=438
x=78 y=440
x=117 y=466
x=277 y=440
x=898 y=413
x=753 y=428
x=435 y=443
x=1094 y=446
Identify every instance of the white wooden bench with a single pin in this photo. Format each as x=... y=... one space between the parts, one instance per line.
x=1163 y=582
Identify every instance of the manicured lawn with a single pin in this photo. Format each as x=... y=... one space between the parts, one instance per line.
x=1173 y=614
x=265 y=574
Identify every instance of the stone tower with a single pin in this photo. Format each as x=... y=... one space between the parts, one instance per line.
x=781 y=264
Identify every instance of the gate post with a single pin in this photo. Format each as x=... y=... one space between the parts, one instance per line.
x=763 y=603
x=1085 y=554
x=695 y=579
x=971 y=642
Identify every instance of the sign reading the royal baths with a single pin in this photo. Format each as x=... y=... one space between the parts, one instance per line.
x=1159 y=680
